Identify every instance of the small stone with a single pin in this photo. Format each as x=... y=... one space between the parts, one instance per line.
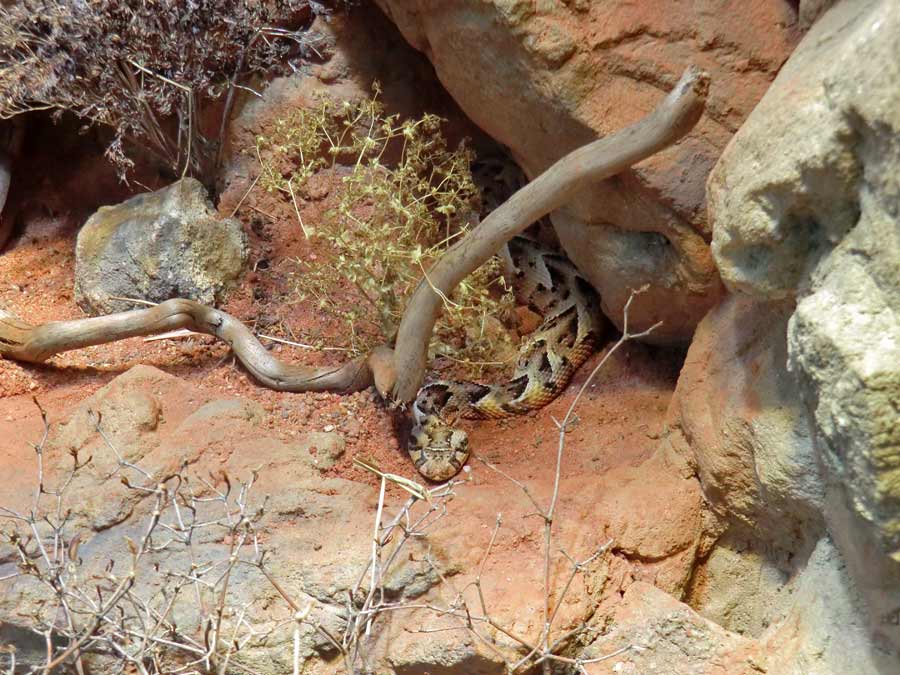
x=324 y=449
x=158 y=245
x=352 y=428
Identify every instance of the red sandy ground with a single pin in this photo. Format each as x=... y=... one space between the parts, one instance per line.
x=623 y=407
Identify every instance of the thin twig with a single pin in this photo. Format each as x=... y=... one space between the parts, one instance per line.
x=297 y=209
x=244 y=196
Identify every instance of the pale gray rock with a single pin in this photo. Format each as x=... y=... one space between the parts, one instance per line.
x=812 y=626
x=444 y=657
x=226 y=408
x=322 y=449
x=745 y=584
x=806 y=203
x=809 y=11
x=316 y=531
x=823 y=630
x=116 y=425
x=738 y=418
x=789 y=186
x=737 y=415
x=655 y=633
x=155 y=246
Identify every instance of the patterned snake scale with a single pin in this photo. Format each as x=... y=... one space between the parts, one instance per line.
x=548 y=358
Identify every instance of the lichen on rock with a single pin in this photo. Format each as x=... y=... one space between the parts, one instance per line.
x=156 y=246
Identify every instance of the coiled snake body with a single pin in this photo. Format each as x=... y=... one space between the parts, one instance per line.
x=548 y=358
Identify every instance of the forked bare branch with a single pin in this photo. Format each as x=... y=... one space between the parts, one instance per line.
x=474 y=616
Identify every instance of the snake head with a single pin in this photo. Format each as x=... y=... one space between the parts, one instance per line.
x=437 y=450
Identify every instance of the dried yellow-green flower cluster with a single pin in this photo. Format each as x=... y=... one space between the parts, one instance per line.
x=404 y=198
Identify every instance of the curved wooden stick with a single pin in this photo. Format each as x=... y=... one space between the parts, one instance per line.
x=399 y=371
x=24 y=342
x=5 y=175
x=672 y=119
x=11 y=139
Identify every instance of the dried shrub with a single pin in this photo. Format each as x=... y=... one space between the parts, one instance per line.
x=389 y=222
x=151 y=71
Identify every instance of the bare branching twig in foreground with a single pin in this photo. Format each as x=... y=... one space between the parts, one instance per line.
x=136 y=614
x=474 y=615
x=120 y=614
x=543 y=649
x=364 y=605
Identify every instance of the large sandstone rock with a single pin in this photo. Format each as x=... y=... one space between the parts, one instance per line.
x=654 y=633
x=737 y=417
x=736 y=414
x=816 y=629
x=317 y=535
x=316 y=531
x=544 y=78
x=821 y=629
x=805 y=202
x=156 y=246
x=155 y=423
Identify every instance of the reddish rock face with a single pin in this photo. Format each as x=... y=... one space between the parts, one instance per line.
x=737 y=414
x=805 y=206
x=545 y=78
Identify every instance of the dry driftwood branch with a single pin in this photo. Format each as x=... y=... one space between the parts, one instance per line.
x=5 y=175
x=672 y=119
x=399 y=372
x=36 y=344
x=6 y=223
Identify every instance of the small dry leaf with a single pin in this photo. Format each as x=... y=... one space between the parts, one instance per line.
x=73 y=547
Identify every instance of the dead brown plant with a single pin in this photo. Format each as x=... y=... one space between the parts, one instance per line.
x=151 y=72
